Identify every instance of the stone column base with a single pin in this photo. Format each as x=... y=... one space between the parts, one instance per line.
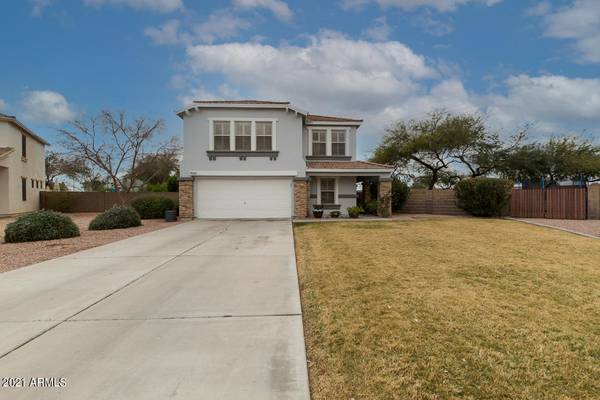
x=384 y=198
x=301 y=197
x=186 y=198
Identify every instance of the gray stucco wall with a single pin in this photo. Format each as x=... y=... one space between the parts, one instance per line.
x=346 y=186
x=196 y=142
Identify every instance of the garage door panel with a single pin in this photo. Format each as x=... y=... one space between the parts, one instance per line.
x=243 y=198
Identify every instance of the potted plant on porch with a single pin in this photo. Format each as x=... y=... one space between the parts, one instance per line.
x=317 y=211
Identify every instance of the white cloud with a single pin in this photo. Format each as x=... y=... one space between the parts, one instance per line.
x=380 y=30
x=552 y=102
x=331 y=69
x=386 y=81
x=168 y=33
x=47 y=107
x=439 y=5
x=277 y=7
x=579 y=22
x=155 y=5
x=221 y=24
x=2 y=104
x=38 y=6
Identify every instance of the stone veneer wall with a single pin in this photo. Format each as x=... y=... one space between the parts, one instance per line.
x=301 y=197
x=385 y=198
x=186 y=198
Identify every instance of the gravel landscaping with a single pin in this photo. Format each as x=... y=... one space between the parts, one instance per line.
x=589 y=227
x=15 y=255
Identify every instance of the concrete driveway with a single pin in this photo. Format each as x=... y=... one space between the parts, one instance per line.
x=201 y=310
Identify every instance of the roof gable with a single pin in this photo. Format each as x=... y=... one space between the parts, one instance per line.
x=13 y=120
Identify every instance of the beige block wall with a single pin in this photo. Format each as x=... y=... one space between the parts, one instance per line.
x=436 y=201
x=13 y=168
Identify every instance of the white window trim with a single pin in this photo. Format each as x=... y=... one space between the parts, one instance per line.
x=335 y=189
x=211 y=141
x=328 y=152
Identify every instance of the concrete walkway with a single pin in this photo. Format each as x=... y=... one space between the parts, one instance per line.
x=201 y=310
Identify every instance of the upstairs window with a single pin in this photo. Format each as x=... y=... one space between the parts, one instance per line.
x=338 y=142
x=264 y=136
x=23 y=146
x=319 y=142
x=221 y=131
x=24 y=189
x=243 y=135
x=328 y=191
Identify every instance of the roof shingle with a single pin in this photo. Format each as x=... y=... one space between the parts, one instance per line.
x=328 y=118
x=240 y=102
x=345 y=165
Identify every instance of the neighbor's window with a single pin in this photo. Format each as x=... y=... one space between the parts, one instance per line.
x=23 y=146
x=24 y=189
x=327 y=191
x=319 y=142
x=221 y=135
x=264 y=136
x=338 y=142
x=243 y=135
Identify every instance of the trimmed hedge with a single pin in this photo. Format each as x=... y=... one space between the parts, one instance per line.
x=40 y=225
x=118 y=217
x=149 y=207
x=483 y=197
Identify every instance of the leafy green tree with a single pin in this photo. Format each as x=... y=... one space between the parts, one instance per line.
x=441 y=149
x=566 y=158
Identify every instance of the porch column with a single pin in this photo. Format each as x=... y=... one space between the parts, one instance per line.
x=301 y=197
x=384 y=197
x=186 y=198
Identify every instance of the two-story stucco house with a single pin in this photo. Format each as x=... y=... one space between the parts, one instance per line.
x=22 y=167
x=267 y=159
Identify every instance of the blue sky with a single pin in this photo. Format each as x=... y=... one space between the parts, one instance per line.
x=517 y=62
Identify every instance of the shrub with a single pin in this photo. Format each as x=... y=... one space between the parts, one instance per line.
x=149 y=207
x=40 y=225
x=483 y=197
x=371 y=207
x=400 y=193
x=354 y=211
x=117 y=217
x=334 y=213
x=157 y=187
x=59 y=201
x=173 y=184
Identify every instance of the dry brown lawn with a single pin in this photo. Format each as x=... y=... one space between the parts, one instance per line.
x=16 y=255
x=449 y=308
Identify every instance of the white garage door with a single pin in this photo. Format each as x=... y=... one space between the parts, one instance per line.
x=243 y=197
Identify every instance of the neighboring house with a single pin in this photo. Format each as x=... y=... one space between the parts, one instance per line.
x=265 y=159
x=22 y=167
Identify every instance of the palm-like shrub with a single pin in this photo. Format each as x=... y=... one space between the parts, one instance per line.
x=118 y=217
x=483 y=197
x=149 y=207
x=40 y=225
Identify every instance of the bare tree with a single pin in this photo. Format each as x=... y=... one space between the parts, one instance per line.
x=111 y=144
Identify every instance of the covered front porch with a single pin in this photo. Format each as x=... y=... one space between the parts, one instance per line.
x=339 y=185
